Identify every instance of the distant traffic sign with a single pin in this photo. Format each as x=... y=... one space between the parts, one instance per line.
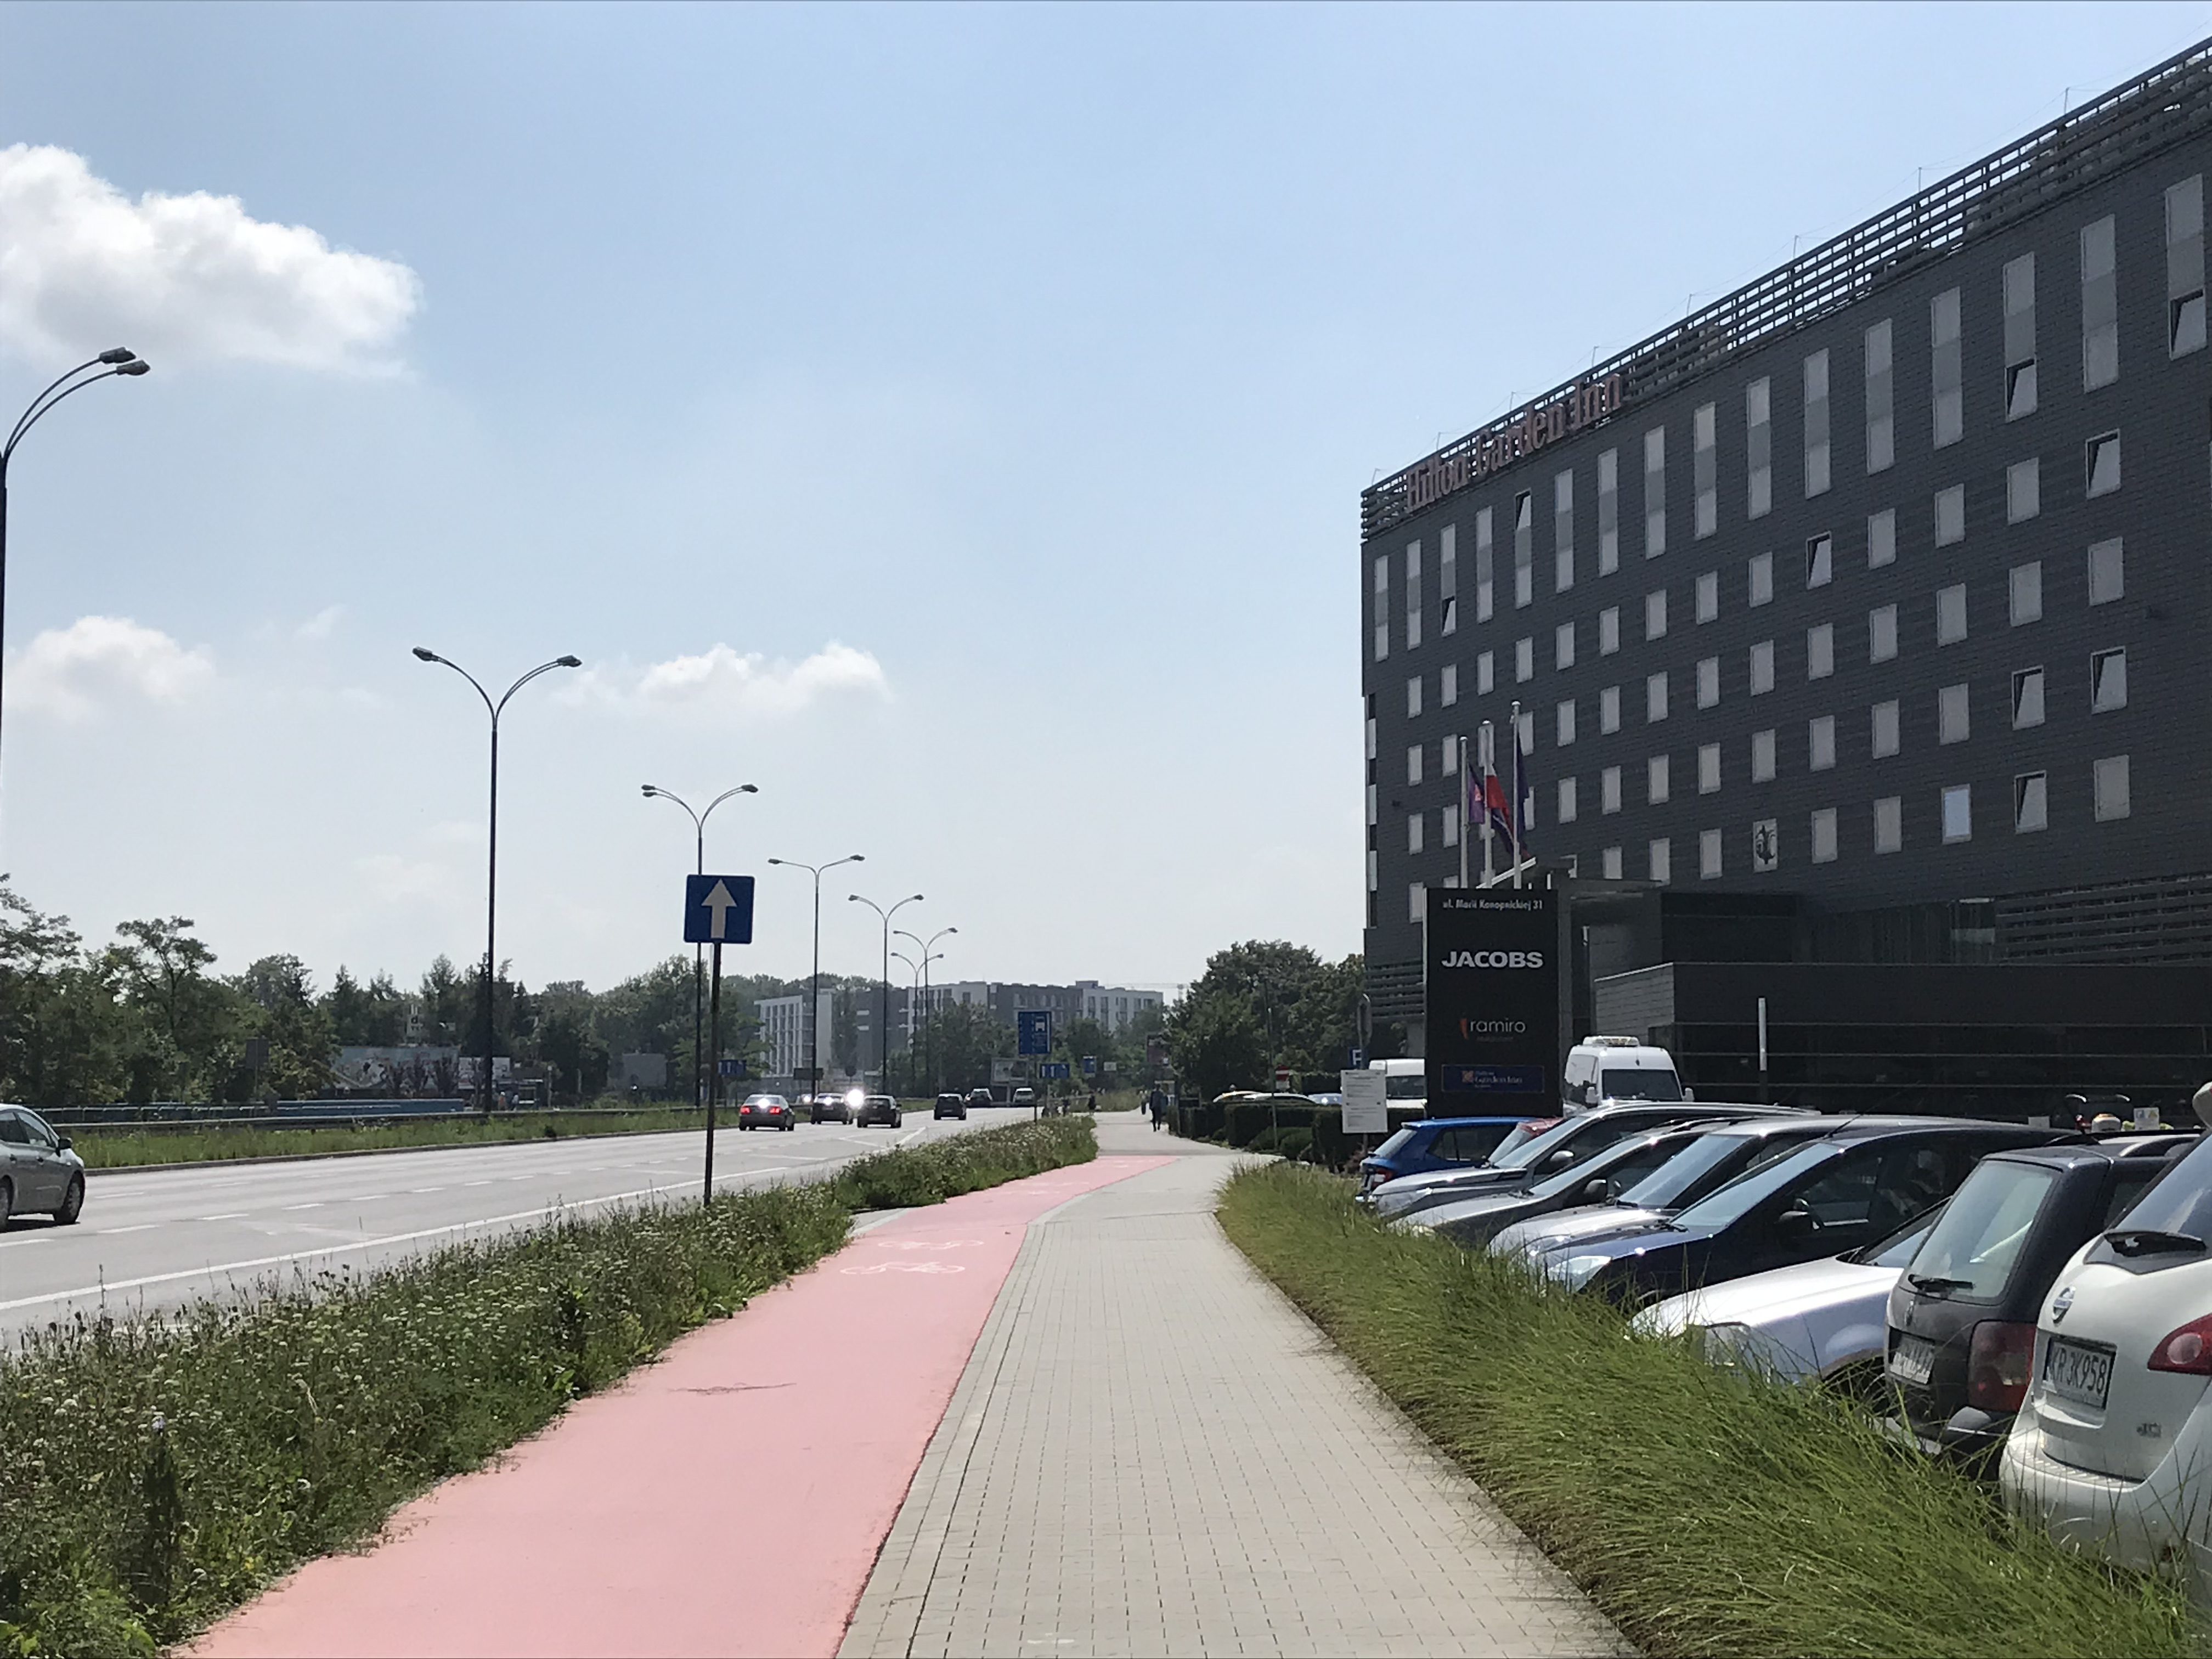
x=734 y=1067
x=1090 y=1066
x=1053 y=1068
x=1033 y=1027
x=718 y=909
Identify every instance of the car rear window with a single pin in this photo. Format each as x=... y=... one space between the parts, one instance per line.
x=1663 y=1188
x=1983 y=1227
x=1639 y=1082
x=1396 y=1143
x=2182 y=1202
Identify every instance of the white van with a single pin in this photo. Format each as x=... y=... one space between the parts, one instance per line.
x=1405 y=1081
x=1601 y=1068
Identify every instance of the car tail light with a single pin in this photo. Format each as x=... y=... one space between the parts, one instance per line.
x=1998 y=1363
x=2188 y=1350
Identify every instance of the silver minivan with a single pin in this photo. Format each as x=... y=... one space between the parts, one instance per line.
x=40 y=1175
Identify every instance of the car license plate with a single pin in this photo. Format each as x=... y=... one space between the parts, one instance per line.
x=1913 y=1360
x=2078 y=1372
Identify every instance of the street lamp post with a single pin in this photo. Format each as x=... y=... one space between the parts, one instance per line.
x=491 y=867
x=929 y=1038
x=883 y=1005
x=654 y=792
x=915 y=993
x=117 y=360
x=814 y=986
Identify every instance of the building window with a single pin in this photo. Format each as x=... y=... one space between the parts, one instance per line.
x=1705 y=472
x=1762 y=668
x=1448 y=684
x=2027 y=592
x=1563 y=646
x=1943 y=368
x=1451 y=837
x=1483 y=572
x=1416 y=900
x=1371 y=819
x=1414 y=832
x=1450 y=622
x=1566 y=723
x=1958 y=812
x=1759 y=446
x=1708 y=854
x=1709 y=681
x=1608 y=630
x=1882 y=538
x=1448 y=753
x=1655 y=698
x=1655 y=492
x=1447 y=578
x=1881 y=633
x=1884 y=725
x=1566 y=801
x=2030 y=804
x=1762 y=578
x=1824 y=836
x=1608 y=790
x=1608 y=709
x=1766 y=845
x=1382 y=608
x=2184 y=266
x=1412 y=595
x=1819 y=561
x=1709 y=768
x=1888 y=824
x=1708 y=596
x=1372 y=876
x=1762 y=756
x=1528 y=733
x=1820 y=743
x=1524 y=659
x=1413 y=697
x=1950 y=714
x=1816 y=424
x=1608 y=512
x=2027 y=698
x=1662 y=860
x=1881 y=415
x=1370 y=731
x=1655 y=780
x=1563 y=533
x=2107 y=579
x=1820 y=651
x=2020 y=336
x=1485 y=674
x=2108 y=782
x=2100 y=324
x=2023 y=490
x=1950 y=516
x=1951 y=614
x=2108 y=681
x=2101 y=464
x=1414 y=763
x=1524 y=549
x=1655 y=614
x=1609 y=863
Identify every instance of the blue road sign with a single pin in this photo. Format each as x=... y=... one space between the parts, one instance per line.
x=733 y=1068
x=1053 y=1068
x=718 y=909
x=1090 y=1066
x=1033 y=1027
x=1359 y=1060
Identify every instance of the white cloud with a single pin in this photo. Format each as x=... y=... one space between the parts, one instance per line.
x=721 y=681
x=83 y=267
x=321 y=625
x=95 y=660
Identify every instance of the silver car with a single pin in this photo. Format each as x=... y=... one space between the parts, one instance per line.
x=40 y=1175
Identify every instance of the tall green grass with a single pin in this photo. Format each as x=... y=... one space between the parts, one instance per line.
x=156 y=1473
x=1705 y=1514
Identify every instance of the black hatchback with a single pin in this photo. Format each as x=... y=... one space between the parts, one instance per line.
x=1962 y=1315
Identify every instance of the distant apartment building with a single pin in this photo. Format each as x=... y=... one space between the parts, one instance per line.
x=785 y=1033
x=1112 y=1005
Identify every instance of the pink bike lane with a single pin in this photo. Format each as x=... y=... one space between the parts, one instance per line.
x=729 y=1500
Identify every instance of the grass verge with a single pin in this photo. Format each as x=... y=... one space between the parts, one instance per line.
x=1704 y=1514
x=156 y=1473
x=104 y=1148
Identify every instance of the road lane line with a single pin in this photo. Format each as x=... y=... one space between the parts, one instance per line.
x=314 y=1204
x=477 y=1183
x=142 y=1227
x=228 y=1215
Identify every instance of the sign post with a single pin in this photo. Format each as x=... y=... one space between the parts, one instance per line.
x=1496 y=999
x=717 y=910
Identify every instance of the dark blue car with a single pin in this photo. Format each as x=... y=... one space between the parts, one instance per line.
x=1436 y=1143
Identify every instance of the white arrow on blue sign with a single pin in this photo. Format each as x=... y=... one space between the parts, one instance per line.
x=718 y=909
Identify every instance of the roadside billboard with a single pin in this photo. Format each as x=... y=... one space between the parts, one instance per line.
x=1495 y=964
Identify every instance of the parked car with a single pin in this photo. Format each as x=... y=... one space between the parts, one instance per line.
x=1024 y=1096
x=1961 y=1319
x=879 y=1109
x=1624 y=1187
x=1601 y=1068
x=1436 y=1143
x=1822 y=1321
x=1567 y=1143
x=978 y=1098
x=1859 y=1184
x=766 y=1112
x=1720 y=1152
x=2112 y=1445
x=836 y=1106
x=39 y=1173
x=950 y=1105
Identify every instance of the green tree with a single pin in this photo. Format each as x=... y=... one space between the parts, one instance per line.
x=61 y=1029
x=283 y=1013
x=958 y=1041
x=1216 y=1043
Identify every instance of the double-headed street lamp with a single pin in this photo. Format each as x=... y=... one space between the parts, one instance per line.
x=654 y=792
x=117 y=360
x=491 y=869
x=814 y=989
x=884 y=1007
x=919 y=972
x=927 y=946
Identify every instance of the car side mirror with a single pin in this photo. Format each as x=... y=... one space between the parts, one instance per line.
x=1795 y=1226
x=66 y=1143
x=1562 y=1159
x=1598 y=1190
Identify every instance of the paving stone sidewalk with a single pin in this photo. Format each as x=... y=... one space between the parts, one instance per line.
x=1152 y=1452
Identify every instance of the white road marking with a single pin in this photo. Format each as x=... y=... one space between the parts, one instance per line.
x=417 y=1192
x=228 y=1215
x=27 y=1238
x=475 y=1183
x=142 y=1227
x=313 y=1204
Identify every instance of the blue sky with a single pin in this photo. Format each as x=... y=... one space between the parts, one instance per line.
x=951 y=420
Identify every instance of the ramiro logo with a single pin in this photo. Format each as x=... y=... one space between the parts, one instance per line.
x=1493 y=959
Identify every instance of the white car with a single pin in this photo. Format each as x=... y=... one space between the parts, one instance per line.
x=1825 y=1321
x=2112 y=1448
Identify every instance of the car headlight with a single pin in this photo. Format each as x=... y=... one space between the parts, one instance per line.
x=1576 y=1270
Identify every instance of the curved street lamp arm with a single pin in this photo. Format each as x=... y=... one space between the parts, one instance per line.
x=47 y=399
x=742 y=789
x=32 y=413
x=654 y=792
x=542 y=668
x=449 y=663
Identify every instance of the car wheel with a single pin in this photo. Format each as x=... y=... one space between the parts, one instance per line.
x=7 y=1202
x=72 y=1202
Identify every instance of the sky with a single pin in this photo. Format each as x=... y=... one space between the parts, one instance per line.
x=951 y=420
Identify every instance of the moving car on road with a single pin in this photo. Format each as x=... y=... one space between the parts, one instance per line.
x=878 y=1108
x=950 y=1105
x=980 y=1097
x=837 y=1107
x=766 y=1112
x=1024 y=1096
x=39 y=1173
x=1436 y=1143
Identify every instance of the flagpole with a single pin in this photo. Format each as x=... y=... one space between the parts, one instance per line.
x=1489 y=749
x=1465 y=827
x=1515 y=809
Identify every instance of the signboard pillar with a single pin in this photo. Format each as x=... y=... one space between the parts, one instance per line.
x=1495 y=978
x=717 y=910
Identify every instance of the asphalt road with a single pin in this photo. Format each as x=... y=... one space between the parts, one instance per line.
x=166 y=1236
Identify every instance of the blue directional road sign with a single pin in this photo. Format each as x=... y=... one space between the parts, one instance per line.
x=1033 y=1026
x=1090 y=1066
x=1053 y=1068
x=734 y=1067
x=718 y=909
